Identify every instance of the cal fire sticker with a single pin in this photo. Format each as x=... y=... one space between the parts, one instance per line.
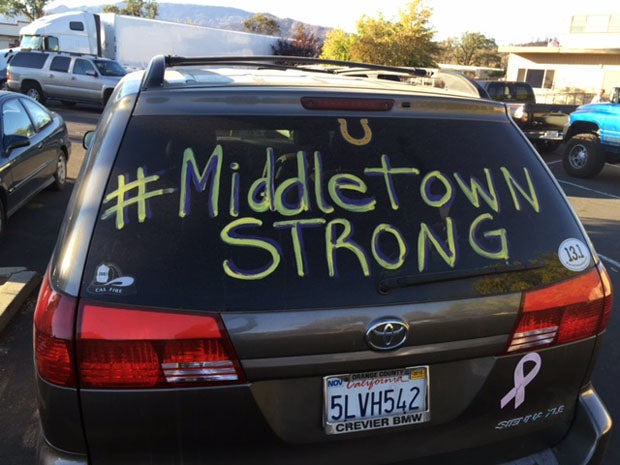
x=574 y=254
x=109 y=280
x=522 y=380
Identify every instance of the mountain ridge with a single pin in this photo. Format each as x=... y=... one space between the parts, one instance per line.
x=220 y=17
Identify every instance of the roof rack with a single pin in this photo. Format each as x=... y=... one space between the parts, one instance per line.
x=154 y=75
x=58 y=52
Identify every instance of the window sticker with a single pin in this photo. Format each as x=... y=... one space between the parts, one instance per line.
x=574 y=254
x=109 y=280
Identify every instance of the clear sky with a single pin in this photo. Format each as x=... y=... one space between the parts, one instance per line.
x=503 y=20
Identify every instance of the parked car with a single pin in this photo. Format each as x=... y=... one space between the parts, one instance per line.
x=592 y=138
x=542 y=123
x=266 y=264
x=69 y=78
x=34 y=152
x=6 y=55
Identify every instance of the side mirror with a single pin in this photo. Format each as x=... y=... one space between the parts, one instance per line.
x=87 y=140
x=14 y=141
x=92 y=74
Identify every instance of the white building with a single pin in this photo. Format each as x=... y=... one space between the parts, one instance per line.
x=9 y=32
x=576 y=66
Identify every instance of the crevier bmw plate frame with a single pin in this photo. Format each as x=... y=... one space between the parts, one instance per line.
x=378 y=399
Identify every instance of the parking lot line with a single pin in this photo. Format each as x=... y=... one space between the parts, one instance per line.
x=611 y=262
x=607 y=194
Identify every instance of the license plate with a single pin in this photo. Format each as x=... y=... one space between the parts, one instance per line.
x=553 y=135
x=378 y=399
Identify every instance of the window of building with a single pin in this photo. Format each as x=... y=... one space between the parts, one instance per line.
x=540 y=78
x=593 y=24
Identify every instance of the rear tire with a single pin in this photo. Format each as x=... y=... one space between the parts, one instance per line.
x=33 y=90
x=60 y=176
x=583 y=156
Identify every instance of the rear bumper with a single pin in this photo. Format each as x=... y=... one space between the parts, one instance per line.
x=586 y=441
x=49 y=455
x=584 y=444
x=550 y=135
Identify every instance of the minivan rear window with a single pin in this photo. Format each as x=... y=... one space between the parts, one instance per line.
x=238 y=213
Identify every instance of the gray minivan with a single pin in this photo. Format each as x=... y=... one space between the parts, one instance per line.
x=269 y=264
x=67 y=77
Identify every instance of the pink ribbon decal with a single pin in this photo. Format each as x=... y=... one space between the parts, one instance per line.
x=522 y=380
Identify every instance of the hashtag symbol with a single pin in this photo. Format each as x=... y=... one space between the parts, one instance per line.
x=123 y=200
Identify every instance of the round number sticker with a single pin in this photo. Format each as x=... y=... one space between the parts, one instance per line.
x=574 y=254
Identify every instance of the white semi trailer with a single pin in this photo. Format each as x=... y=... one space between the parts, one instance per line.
x=133 y=41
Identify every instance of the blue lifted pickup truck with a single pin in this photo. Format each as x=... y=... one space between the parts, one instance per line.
x=593 y=137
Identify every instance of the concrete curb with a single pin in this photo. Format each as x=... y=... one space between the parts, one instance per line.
x=16 y=285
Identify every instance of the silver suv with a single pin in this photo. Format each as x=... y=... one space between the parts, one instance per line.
x=67 y=77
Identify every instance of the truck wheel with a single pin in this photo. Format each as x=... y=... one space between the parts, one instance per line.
x=33 y=90
x=583 y=157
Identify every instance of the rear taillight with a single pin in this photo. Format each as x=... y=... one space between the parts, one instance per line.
x=565 y=312
x=131 y=348
x=54 y=318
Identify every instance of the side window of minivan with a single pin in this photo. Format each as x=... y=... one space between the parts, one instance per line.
x=84 y=67
x=60 y=64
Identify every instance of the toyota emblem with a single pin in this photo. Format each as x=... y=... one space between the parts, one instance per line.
x=387 y=334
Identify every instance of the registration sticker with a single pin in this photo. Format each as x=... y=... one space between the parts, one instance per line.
x=378 y=399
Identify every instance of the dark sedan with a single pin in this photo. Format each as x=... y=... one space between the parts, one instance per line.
x=34 y=152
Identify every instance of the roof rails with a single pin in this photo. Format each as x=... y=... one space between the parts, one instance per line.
x=154 y=75
x=59 y=52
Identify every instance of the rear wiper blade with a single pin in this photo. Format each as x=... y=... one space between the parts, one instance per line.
x=389 y=284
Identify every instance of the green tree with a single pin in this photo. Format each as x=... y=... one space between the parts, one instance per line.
x=260 y=23
x=111 y=9
x=337 y=45
x=471 y=49
x=304 y=44
x=30 y=9
x=141 y=8
x=405 y=42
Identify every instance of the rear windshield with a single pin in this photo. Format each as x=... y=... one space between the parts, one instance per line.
x=520 y=92
x=238 y=213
